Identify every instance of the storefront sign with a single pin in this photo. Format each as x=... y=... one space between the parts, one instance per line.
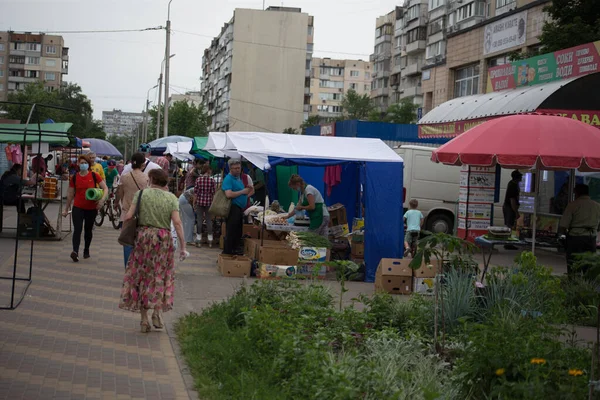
x=450 y=129
x=563 y=64
x=328 y=130
x=476 y=201
x=587 y=117
x=505 y=34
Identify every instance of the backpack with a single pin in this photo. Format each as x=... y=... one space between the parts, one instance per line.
x=93 y=177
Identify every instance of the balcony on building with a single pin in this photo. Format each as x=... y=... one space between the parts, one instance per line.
x=65 y=54
x=380 y=92
x=21 y=79
x=416 y=46
x=411 y=89
x=413 y=68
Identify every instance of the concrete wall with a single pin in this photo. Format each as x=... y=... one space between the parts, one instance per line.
x=267 y=86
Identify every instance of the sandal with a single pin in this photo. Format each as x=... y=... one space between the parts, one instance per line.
x=145 y=326
x=156 y=321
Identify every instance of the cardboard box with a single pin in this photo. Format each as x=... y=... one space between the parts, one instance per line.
x=339 y=230
x=234 y=266
x=251 y=231
x=357 y=224
x=428 y=271
x=337 y=215
x=358 y=250
x=314 y=254
x=424 y=286
x=252 y=247
x=278 y=255
x=394 y=276
x=269 y=271
x=307 y=269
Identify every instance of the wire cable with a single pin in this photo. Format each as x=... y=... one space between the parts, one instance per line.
x=156 y=28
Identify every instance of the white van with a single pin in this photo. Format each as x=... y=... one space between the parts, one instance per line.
x=436 y=187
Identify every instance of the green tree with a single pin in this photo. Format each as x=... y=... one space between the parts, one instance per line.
x=122 y=143
x=571 y=23
x=404 y=112
x=290 y=131
x=69 y=96
x=185 y=119
x=313 y=120
x=356 y=106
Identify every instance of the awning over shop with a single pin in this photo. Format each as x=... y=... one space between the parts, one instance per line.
x=198 y=145
x=458 y=115
x=55 y=134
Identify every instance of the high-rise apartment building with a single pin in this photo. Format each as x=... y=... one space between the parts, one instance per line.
x=256 y=73
x=381 y=59
x=192 y=98
x=28 y=57
x=331 y=80
x=117 y=122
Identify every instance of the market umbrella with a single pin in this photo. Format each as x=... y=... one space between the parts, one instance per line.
x=103 y=148
x=158 y=146
x=526 y=141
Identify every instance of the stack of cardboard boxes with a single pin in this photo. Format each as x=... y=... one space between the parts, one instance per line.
x=338 y=221
x=395 y=276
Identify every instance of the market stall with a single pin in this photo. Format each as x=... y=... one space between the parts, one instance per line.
x=378 y=167
x=159 y=146
x=528 y=142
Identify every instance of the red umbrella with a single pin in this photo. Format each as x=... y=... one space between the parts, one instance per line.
x=526 y=141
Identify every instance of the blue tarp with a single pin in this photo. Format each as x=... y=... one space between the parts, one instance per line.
x=383 y=184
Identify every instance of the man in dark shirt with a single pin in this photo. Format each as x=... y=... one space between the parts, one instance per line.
x=510 y=208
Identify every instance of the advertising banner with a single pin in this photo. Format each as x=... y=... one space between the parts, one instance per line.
x=563 y=64
x=589 y=117
x=474 y=217
x=328 y=129
x=449 y=129
x=505 y=34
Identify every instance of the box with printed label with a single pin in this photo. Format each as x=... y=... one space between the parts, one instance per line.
x=337 y=215
x=234 y=266
x=270 y=271
x=251 y=231
x=310 y=269
x=424 y=286
x=339 y=230
x=252 y=247
x=428 y=270
x=358 y=250
x=313 y=254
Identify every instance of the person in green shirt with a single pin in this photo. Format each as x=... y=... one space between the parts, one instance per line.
x=111 y=173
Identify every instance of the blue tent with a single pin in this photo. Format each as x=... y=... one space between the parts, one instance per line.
x=366 y=163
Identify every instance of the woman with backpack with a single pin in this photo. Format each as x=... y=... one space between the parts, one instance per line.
x=84 y=211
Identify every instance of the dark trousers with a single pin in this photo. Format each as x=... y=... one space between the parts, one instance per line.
x=235 y=227
x=576 y=245
x=83 y=220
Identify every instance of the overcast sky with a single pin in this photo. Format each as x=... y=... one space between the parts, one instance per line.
x=116 y=70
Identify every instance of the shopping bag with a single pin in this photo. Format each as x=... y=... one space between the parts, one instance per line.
x=220 y=205
x=129 y=230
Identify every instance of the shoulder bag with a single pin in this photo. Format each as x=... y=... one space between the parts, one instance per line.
x=129 y=231
x=220 y=205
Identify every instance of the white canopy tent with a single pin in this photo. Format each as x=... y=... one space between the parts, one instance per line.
x=180 y=150
x=257 y=147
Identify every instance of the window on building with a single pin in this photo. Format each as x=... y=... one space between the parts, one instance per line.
x=32 y=74
x=1 y=73
x=331 y=84
x=435 y=49
x=383 y=30
x=51 y=49
x=2 y=48
x=466 y=81
x=32 y=60
x=502 y=3
x=436 y=26
x=50 y=63
x=309 y=47
x=1 y=59
x=353 y=86
x=354 y=73
x=50 y=76
x=494 y=62
x=398 y=41
x=413 y=35
x=475 y=9
x=367 y=75
x=1 y=87
x=397 y=60
x=412 y=13
x=435 y=4
x=310 y=30
x=19 y=46
x=12 y=86
x=34 y=47
x=366 y=87
x=49 y=88
x=331 y=96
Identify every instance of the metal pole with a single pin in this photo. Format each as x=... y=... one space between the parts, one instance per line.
x=167 y=67
x=160 y=82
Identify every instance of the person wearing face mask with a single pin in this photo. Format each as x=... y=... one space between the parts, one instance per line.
x=312 y=201
x=84 y=211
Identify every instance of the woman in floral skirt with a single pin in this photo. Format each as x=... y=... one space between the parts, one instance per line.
x=149 y=278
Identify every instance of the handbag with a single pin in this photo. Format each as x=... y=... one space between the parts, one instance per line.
x=220 y=205
x=129 y=231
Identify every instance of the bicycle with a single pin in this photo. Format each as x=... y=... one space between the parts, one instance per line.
x=112 y=209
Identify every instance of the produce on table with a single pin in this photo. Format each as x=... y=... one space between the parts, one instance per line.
x=307 y=239
x=276 y=220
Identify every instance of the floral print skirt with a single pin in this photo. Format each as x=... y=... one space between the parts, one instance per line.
x=149 y=278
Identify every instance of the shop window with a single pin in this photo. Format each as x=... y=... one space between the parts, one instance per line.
x=466 y=82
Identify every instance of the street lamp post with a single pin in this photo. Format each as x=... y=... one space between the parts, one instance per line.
x=167 y=68
x=160 y=82
x=145 y=130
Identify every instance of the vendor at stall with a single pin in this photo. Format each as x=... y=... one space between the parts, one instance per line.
x=581 y=221
x=511 y=205
x=312 y=201
x=10 y=190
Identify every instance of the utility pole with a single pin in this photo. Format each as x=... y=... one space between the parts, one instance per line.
x=145 y=127
x=160 y=79
x=167 y=67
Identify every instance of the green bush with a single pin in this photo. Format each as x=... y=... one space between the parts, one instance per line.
x=582 y=299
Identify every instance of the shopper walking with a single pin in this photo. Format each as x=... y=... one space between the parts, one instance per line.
x=204 y=189
x=188 y=218
x=129 y=185
x=84 y=211
x=149 y=278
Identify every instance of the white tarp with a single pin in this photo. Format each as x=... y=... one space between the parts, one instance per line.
x=180 y=150
x=257 y=147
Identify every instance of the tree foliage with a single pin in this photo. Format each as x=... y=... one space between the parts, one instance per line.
x=290 y=131
x=572 y=22
x=404 y=112
x=123 y=143
x=356 y=106
x=313 y=120
x=69 y=96
x=185 y=119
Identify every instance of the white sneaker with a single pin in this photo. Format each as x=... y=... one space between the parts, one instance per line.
x=198 y=238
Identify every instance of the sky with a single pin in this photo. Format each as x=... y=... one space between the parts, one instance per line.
x=116 y=70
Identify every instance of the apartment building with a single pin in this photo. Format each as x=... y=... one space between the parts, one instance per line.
x=330 y=81
x=382 y=60
x=29 y=57
x=117 y=122
x=467 y=38
x=192 y=98
x=256 y=73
